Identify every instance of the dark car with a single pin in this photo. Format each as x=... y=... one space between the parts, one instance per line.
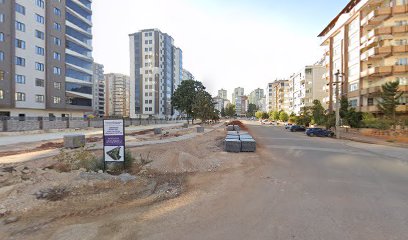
x=297 y=128
x=319 y=132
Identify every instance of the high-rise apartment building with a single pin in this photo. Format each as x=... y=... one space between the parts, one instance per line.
x=187 y=75
x=367 y=43
x=98 y=90
x=256 y=97
x=222 y=93
x=155 y=70
x=278 y=98
x=305 y=87
x=117 y=101
x=238 y=92
x=46 y=58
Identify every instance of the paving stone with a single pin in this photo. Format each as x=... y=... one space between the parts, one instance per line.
x=74 y=141
x=157 y=131
x=237 y=128
x=248 y=145
x=230 y=128
x=232 y=145
x=200 y=129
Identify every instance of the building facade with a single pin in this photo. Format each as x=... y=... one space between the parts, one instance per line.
x=155 y=67
x=223 y=94
x=117 y=101
x=367 y=43
x=241 y=106
x=46 y=58
x=305 y=87
x=256 y=97
x=98 y=90
x=278 y=98
x=187 y=75
x=238 y=92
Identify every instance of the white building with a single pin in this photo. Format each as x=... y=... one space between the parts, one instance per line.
x=117 y=101
x=98 y=90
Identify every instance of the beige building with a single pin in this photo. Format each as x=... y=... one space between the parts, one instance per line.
x=117 y=102
x=278 y=96
x=368 y=43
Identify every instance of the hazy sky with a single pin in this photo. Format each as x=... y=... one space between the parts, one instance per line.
x=225 y=43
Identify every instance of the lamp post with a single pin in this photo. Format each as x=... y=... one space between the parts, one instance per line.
x=338 y=75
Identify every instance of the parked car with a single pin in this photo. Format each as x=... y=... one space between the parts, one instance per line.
x=288 y=125
x=297 y=128
x=319 y=132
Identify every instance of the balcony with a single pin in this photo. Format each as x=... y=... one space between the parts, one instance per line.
x=377 y=71
x=376 y=52
x=369 y=109
x=376 y=17
x=371 y=91
x=384 y=33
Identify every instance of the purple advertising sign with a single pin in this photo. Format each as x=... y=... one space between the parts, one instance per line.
x=114 y=140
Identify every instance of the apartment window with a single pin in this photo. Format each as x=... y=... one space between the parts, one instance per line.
x=1 y=37
x=1 y=17
x=57 y=12
x=39 y=98
x=57 y=85
x=146 y=101
x=401 y=42
x=402 y=61
x=40 y=19
x=20 y=26
x=150 y=109
x=57 y=41
x=39 y=82
x=1 y=75
x=39 y=50
x=1 y=94
x=20 y=97
x=57 y=56
x=146 y=109
x=39 y=67
x=40 y=3
x=57 y=100
x=57 y=26
x=20 y=44
x=1 y=56
x=20 y=61
x=401 y=23
x=20 y=79
x=354 y=87
x=39 y=34
x=146 y=41
x=353 y=103
x=370 y=102
x=20 y=9
x=57 y=71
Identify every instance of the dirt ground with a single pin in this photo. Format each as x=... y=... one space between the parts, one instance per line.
x=37 y=202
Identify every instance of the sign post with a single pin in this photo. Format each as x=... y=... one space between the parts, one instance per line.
x=113 y=141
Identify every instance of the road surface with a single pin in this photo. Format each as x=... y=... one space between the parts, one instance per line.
x=300 y=188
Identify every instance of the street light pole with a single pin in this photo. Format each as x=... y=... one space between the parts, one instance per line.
x=338 y=74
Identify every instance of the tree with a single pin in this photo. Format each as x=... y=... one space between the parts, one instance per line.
x=344 y=107
x=184 y=97
x=203 y=106
x=390 y=100
x=258 y=114
x=274 y=115
x=305 y=117
x=283 y=116
x=318 y=115
x=230 y=110
x=252 y=108
x=265 y=115
x=222 y=112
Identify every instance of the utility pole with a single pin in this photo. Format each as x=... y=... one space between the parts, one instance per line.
x=338 y=75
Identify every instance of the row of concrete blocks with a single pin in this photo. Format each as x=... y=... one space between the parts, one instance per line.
x=239 y=142
x=233 y=128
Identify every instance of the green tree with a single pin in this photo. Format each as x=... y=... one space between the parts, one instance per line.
x=265 y=115
x=344 y=107
x=252 y=108
x=283 y=116
x=274 y=115
x=259 y=114
x=305 y=117
x=318 y=116
x=230 y=110
x=390 y=100
x=203 y=106
x=184 y=97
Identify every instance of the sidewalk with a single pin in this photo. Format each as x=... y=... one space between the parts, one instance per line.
x=8 y=140
x=371 y=140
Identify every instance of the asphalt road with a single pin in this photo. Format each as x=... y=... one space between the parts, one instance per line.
x=299 y=188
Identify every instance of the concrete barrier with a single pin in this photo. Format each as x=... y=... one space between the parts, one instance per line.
x=248 y=145
x=232 y=145
x=200 y=129
x=74 y=141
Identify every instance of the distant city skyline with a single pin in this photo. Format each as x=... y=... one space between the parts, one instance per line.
x=225 y=44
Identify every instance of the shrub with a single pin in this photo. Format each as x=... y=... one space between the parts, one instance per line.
x=129 y=159
x=74 y=160
x=370 y=121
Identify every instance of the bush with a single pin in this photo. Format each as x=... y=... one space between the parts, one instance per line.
x=129 y=159
x=74 y=160
x=370 y=121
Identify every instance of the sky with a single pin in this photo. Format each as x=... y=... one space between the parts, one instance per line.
x=226 y=43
